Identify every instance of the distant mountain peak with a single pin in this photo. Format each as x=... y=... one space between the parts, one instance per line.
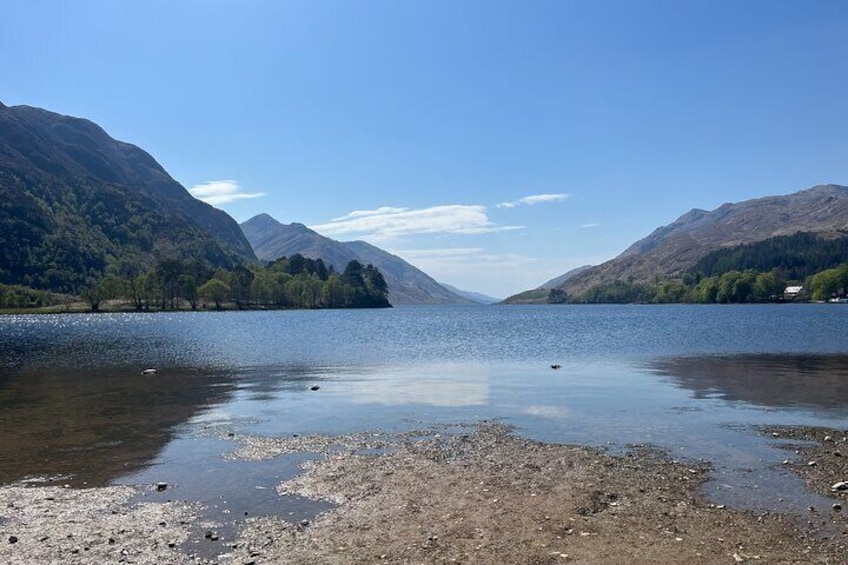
x=407 y=285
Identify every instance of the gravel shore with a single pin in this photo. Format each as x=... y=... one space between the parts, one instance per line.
x=475 y=494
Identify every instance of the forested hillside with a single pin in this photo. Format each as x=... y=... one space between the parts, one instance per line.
x=76 y=204
x=757 y=272
x=770 y=241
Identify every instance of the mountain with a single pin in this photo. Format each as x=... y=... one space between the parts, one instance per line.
x=560 y=280
x=473 y=296
x=407 y=285
x=672 y=249
x=73 y=200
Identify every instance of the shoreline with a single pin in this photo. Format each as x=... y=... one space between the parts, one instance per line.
x=464 y=494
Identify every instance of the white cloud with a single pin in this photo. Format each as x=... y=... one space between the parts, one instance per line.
x=534 y=199
x=461 y=255
x=364 y=213
x=217 y=192
x=590 y=225
x=387 y=222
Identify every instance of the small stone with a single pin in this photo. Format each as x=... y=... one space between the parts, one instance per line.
x=775 y=434
x=161 y=486
x=837 y=507
x=811 y=464
x=828 y=438
x=841 y=485
x=13 y=539
x=304 y=523
x=786 y=462
x=314 y=387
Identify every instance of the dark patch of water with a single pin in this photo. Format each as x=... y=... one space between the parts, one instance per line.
x=229 y=491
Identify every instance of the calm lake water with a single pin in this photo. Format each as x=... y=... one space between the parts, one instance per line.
x=695 y=380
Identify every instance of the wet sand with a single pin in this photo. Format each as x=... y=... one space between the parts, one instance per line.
x=475 y=494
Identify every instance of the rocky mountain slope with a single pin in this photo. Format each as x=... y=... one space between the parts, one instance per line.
x=73 y=199
x=678 y=246
x=407 y=285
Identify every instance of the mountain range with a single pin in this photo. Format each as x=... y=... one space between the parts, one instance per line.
x=73 y=200
x=271 y=240
x=676 y=247
x=74 y=203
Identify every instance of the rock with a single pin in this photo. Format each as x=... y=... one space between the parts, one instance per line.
x=837 y=507
x=556 y=366
x=828 y=438
x=13 y=539
x=841 y=485
x=314 y=387
x=149 y=371
x=304 y=523
x=811 y=464
x=161 y=486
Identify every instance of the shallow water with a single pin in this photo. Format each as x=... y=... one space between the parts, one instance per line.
x=695 y=380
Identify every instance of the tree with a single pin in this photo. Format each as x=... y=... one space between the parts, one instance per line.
x=214 y=290
x=95 y=292
x=825 y=284
x=188 y=288
x=240 y=280
x=169 y=272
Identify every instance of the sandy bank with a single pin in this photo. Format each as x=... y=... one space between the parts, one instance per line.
x=475 y=495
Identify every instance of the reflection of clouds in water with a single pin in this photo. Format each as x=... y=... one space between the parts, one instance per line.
x=546 y=411
x=213 y=416
x=435 y=387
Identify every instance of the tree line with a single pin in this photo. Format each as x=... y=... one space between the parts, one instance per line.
x=288 y=282
x=758 y=272
x=732 y=287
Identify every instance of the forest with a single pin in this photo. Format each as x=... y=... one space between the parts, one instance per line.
x=293 y=282
x=758 y=272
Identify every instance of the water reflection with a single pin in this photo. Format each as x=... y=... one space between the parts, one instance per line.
x=774 y=381
x=97 y=424
x=448 y=386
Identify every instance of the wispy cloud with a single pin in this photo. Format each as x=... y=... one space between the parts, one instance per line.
x=217 y=192
x=462 y=255
x=387 y=222
x=590 y=225
x=534 y=199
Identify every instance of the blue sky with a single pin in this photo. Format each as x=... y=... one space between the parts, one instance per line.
x=493 y=144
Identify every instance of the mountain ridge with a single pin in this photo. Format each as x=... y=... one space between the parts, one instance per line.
x=408 y=285
x=671 y=249
x=74 y=200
